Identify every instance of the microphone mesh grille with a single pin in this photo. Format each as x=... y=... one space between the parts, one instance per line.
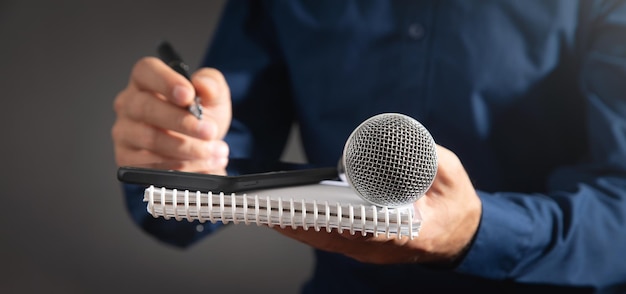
x=390 y=159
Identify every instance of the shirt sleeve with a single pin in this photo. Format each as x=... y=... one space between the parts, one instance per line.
x=176 y=233
x=575 y=233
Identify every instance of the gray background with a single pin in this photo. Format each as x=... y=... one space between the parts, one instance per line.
x=64 y=227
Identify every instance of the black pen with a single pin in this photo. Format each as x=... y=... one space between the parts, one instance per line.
x=170 y=57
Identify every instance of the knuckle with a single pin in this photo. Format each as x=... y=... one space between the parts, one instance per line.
x=200 y=150
x=139 y=108
x=222 y=164
x=118 y=159
x=129 y=102
x=118 y=102
x=225 y=148
x=181 y=123
x=149 y=138
x=187 y=149
x=123 y=102
x=143 y=64
x=121 y=157
x=116 y=132
x=144 y=107
x=449 y=160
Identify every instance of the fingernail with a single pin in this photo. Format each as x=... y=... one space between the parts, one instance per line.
x=221 y=150
x=218 y=153
x=210 y=84
x=217 y=149
x=180 y=94
x=221 y=162
x=206 y=130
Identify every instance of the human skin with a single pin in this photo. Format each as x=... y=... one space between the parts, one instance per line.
x=450 y=209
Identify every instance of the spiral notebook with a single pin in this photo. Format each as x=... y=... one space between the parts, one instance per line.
x=325 y=206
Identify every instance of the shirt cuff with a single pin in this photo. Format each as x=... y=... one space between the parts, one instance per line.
x=502 y=238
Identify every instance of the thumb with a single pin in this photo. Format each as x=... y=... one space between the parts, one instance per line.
x=214 y=93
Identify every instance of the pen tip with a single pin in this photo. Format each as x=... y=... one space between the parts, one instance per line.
x=196 y=110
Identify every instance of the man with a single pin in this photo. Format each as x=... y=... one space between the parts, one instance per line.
x=529 y=95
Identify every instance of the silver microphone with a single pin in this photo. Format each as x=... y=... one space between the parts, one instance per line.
x=389 y=160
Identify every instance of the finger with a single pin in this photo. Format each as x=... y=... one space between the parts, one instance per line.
x=321 y=240
x=132 y=157
x=125 y=156
x=211 y=85
x=146 y=107
x=151 y=74
x=168 y=144
x=199 y=166
x=212 y=88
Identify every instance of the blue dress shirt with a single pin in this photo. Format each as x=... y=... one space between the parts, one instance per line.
x=531 y=95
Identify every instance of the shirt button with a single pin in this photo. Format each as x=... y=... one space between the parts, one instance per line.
x=416 y=31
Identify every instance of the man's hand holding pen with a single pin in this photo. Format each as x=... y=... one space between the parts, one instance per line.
x=154 y=125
